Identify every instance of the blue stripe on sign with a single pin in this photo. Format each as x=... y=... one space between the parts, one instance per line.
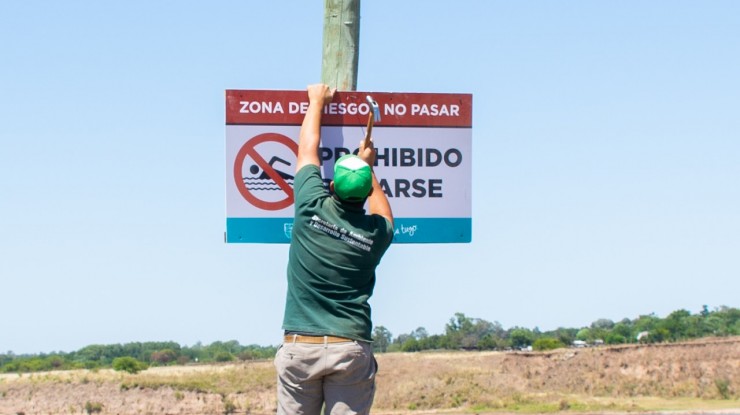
x=259 y=230
x=432 y=230
x=408 y=230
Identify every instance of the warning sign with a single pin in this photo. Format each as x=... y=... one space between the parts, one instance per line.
x=266 y=175
x=424 y=154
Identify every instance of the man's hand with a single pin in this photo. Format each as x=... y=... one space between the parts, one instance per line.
x=366 y=151
x=320 y=94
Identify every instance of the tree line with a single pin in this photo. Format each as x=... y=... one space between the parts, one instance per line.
x=461 y=333
x=144 y=354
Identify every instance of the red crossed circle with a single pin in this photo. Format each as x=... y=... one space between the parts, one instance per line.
x=248 y=149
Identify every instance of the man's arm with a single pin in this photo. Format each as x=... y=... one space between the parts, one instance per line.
x=377 y=202
x=310 y=135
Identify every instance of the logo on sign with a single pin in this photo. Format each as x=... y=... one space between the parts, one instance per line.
x=405 y=230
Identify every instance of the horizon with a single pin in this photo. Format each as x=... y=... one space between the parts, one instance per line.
x=394 y=335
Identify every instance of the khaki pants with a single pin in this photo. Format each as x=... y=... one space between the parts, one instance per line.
x=339 y=375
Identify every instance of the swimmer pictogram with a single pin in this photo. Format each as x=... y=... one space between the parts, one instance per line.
x=269 y=186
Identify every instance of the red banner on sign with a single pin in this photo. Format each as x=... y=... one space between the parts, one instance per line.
x=261 y=107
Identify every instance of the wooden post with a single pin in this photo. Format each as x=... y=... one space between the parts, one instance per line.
x=341 y=44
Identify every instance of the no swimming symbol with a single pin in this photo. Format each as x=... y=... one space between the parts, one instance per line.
x=267 y=186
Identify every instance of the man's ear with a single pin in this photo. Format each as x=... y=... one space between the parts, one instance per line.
x=370 y=192
x=331 y=186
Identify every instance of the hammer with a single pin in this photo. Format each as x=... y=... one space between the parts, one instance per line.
x=373 y=116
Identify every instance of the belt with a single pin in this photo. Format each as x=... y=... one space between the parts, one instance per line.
x=297 y=338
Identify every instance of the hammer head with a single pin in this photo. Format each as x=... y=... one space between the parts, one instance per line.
x=375 y=108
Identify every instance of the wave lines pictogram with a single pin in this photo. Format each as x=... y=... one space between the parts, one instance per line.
x=263 y=184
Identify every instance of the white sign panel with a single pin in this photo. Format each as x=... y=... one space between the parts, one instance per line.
x=424 y=152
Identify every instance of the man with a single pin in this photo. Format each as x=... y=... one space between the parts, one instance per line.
x=326 y=358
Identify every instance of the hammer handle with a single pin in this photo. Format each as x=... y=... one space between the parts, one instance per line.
x=370 y=122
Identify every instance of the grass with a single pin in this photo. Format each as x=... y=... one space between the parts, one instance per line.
x=689 y=377
x=220 y=380
x=589 y=405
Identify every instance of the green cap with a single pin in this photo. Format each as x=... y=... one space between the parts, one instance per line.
x=353 y=178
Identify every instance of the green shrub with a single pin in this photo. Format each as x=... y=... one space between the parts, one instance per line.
x=128 y=364
x=224 y=357
x=229 y=406
x=547 y=343
x=723 y=388
x=93 y=407
x=615 y=338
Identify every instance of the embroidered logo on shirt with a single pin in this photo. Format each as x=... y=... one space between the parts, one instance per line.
x=342 y=234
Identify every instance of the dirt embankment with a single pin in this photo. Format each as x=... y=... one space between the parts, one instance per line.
x=684 y=376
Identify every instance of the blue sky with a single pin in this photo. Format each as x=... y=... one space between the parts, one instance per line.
x=606 y=163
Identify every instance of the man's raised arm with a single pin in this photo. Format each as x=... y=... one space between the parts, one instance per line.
x=377 y=201
x=310 y=135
